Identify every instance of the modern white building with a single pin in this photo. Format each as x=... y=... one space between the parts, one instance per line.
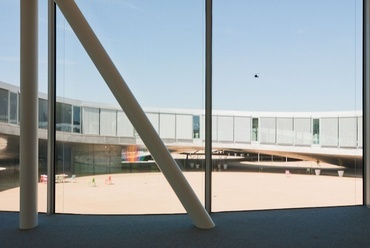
x=183 y=127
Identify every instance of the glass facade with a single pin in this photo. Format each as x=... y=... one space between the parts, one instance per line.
x=43 y=113
x=4 y=95
x=316 y=131
x=76 y=119
x=9 y=74
x=13 y=108
x=162 y=64
x=196 y=127
x=271 y=149
x=288 y=68
x=254 y=129
x=63 y=117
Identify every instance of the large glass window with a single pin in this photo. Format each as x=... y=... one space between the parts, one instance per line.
x=293 y=70
x=9 y=102
x=4 y=98
x=63 y=117
x=13 y=108
x=316 y=131
x=162 y=63
x=287 y=92
x=254 y=129
x=196 y=127
x=76 y=119
x=43 y=114
x=9 y=77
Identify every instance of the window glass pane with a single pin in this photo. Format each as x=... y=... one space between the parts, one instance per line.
x=162 y=63
x=9 y=82
x=254 y=129
x=76 y=119
x=316 y=131
x=43 y=113
x=4 y=100
x=63 y=117
x=9 y=110
x=287 y=88
x=13 y=108
x=196 y=127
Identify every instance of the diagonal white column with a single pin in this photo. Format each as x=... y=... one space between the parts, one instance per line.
x=136 y=115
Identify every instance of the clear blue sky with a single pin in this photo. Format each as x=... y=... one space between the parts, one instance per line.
x=307 y=53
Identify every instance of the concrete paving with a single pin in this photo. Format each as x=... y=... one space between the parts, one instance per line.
x=149 y=193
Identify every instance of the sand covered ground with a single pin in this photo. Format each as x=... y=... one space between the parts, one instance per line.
x=149 y=193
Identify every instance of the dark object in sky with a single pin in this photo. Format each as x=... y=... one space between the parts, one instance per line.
x=256 y=76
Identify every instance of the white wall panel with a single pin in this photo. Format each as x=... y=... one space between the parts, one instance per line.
x=242 y=129
x=225 y=128
x=285 y=131
x=90 y=120
x=202 y=127
x=360 y=132
x=184 y=126
x=167 y=126
x=302 y=129
x=267 y=130
x=108 y=122
x=124 y=126
x=348 y=131
x=154 y=119
x=329 y=131
x=214 y=127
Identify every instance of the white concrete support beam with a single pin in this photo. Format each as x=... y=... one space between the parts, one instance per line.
x=28 y=217
x=136 y=115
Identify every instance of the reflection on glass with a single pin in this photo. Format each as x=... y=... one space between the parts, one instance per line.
x=3 y=105
x=13 y=108
x=254 y=129
x=63 y=117
x=9 y=80
x=162 y=64
x=288 y=75
x=290 y=156
x=43 y=114
x=196 y=126
x=316 y=131
x=9 y=104
x=76 y=119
